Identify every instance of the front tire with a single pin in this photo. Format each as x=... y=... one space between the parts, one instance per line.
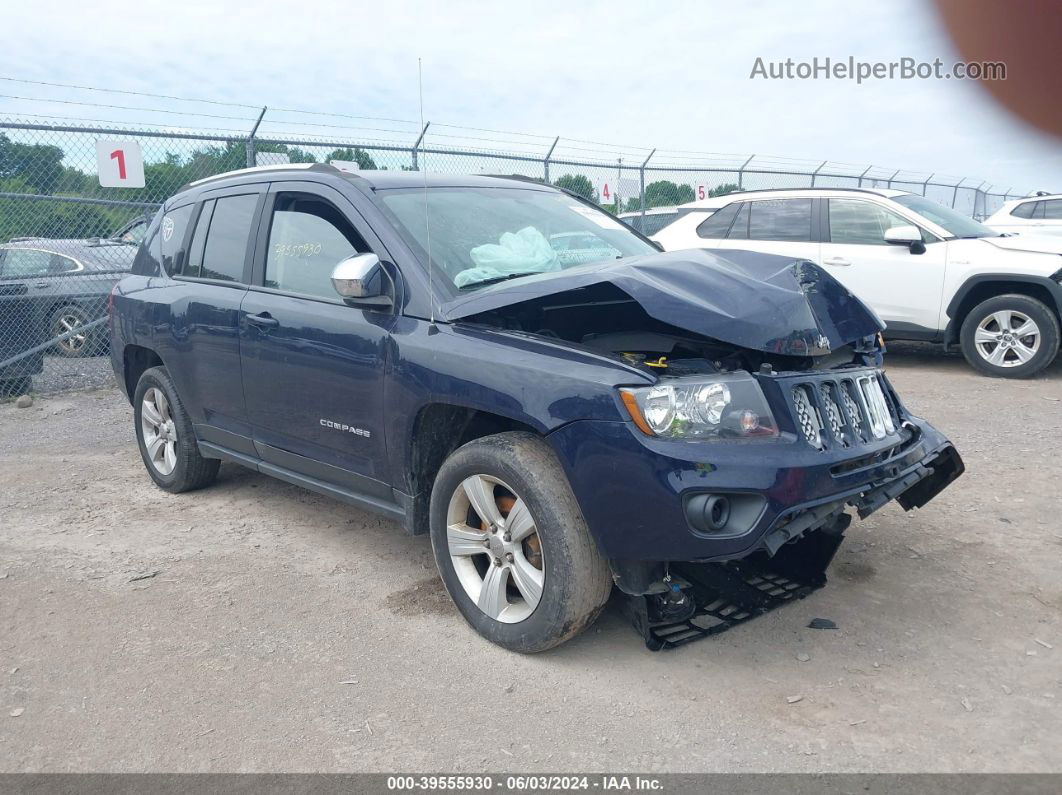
x=165 y=436
x=1010 y=336
x=512 y=546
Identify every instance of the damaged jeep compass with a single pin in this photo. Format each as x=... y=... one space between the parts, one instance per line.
x=502 y=365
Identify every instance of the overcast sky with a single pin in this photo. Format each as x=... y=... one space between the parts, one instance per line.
x=671 y=75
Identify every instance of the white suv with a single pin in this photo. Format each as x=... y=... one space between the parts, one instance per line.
x=930 y=272
x=1036 y=215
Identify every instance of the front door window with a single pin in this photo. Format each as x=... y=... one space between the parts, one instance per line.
x=858 y=222
x=307 y=239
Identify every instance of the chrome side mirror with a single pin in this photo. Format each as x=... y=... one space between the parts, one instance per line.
x=360 y=279
x=909 y=236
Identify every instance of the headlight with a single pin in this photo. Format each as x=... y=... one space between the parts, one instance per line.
x=713 y=407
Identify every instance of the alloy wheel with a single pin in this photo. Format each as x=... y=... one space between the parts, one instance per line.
x=1007 y=338
x=75 y=343
x=494 y=546
x=159 y=431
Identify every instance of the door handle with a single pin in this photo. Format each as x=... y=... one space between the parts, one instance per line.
x=263 y=320
x=41 y=284
x=841 y=261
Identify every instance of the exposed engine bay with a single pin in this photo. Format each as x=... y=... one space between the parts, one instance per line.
x=606 y=319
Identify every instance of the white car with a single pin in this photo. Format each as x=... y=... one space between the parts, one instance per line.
x=1034 y=215
x=930 y=272
x=656 y=218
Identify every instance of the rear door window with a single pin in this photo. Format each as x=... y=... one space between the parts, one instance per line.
x=717 y=224
x=225 y=251
x=61 y=264
x=193 y=263
x=654 y=223
x=740 y=229
x=1025 y=210
x=1053 y=209
x=27 y=262
x=780 y=219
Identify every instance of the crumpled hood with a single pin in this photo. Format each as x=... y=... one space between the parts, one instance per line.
x=758 y=301
x=1037 y=244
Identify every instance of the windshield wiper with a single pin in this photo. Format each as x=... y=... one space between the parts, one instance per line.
x=496 y=279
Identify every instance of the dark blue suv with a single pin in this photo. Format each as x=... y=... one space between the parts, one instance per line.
x=503 y=365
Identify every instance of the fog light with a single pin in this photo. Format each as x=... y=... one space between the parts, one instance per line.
x=717 y=512
x=709 y=512
x=724 y=514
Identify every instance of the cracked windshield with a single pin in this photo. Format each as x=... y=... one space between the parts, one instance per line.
x=480 y=236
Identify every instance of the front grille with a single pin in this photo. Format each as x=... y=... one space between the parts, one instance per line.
x=833 y=414
x=851 y=408
x=807 y=417
x=877 y=409
x=843 y=412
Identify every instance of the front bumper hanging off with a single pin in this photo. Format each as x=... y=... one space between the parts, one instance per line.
x=790 y=565
x=728 y=594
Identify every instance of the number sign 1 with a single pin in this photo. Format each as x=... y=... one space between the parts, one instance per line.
x=120 y=164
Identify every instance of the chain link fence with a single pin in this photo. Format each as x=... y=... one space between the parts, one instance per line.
x=65 y=239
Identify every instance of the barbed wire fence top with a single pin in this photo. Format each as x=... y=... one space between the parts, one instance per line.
x=67 y=235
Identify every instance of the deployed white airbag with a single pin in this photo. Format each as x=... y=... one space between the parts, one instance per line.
x=526 y=251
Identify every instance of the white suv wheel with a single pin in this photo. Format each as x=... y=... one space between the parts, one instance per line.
x=1007 y=338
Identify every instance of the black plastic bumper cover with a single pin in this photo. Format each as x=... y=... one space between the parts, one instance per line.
x=943 y=468
x=728 y=594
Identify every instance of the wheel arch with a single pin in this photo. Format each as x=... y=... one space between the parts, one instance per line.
x=82 y=302
x=62 y=302
x=437 y=430
x=135 y=360
x=980 y=288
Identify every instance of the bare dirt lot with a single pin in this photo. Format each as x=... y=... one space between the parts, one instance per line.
x=253 y=626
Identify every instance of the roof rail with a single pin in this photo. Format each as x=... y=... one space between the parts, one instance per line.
x=805 y=187
x=259 y=169
x=520 y=178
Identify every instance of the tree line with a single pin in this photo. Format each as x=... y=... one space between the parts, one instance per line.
x=661 y=193
x=39 y=169
x=30 y=168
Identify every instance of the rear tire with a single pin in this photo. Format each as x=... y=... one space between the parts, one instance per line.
x=1010 y=336
x=165 y=436
x=69 y=318
x=549 y=579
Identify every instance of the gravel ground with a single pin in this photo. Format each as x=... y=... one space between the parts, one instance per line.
x=63 y=375
x=253 y=626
